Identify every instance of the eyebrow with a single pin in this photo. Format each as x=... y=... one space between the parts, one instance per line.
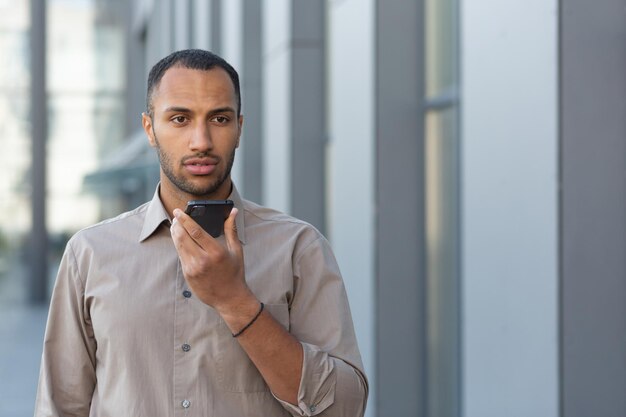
x=177 y=109
x=226 y=109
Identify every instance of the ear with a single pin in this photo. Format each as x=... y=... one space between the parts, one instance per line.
x=146 y=122
x=240 y=123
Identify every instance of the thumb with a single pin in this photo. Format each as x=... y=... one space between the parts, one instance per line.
x=230 y=230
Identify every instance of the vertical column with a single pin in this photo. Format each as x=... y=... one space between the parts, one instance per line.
x=251 y=83
x=39 y=236
x=593 y=215
x=400 y=227
x=231 y=35
x=350 y=166
x=294 y=113
x=277 y=103
x=215 y=26
x=136 y=74
x=182 y=24
x=153 y=33
x=509 y=208
x=165 y=31
x=201 y=36
x=308 y=126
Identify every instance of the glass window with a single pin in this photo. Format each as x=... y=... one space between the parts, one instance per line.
x=442 y=262
x=442 y=221
x=86 y=81
x=15 y=158
x=441 y=47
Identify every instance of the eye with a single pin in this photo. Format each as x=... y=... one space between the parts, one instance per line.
x=179 y=119
x=220 y=119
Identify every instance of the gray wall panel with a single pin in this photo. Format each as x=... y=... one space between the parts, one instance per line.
x=38 y=284
x=400 y=209
x=308 y=125
x=216 y=26
x=593 y=95
x=251 y=85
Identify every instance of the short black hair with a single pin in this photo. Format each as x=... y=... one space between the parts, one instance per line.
x=197 y=59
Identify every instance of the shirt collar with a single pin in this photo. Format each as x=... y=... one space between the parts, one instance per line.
x=156 y=215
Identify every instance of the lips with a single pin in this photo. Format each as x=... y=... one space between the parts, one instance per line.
x=200 y=166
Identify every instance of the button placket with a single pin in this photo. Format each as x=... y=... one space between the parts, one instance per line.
x=183 y=320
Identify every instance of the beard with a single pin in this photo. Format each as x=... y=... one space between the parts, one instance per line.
x=186 y=186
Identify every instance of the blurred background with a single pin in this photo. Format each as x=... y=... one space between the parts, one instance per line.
x=466 y=159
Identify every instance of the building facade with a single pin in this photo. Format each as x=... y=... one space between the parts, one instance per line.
x=465 y=161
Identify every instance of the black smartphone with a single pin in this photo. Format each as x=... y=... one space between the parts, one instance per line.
x=210 y=214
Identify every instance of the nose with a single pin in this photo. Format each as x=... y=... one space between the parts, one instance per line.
x=201 y=139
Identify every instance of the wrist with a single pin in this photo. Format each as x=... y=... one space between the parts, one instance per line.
x=251 y=322
x=238 y=312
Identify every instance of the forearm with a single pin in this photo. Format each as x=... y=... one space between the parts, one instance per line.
x=307 y=380
x=276 y=354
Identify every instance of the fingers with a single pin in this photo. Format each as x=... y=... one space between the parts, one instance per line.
x=188 y=225
x=230 y=230
x=186 y=245
x=189 y=228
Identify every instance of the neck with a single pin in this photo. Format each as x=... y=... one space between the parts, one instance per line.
x=172 y=197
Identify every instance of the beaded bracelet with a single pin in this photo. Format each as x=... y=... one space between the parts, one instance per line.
x=251 y=321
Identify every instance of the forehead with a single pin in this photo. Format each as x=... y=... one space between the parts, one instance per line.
x=185 y=86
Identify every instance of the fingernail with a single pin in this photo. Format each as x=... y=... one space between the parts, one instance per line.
x=177 y=212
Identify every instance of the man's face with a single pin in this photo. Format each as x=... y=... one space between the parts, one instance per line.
x=195 y=130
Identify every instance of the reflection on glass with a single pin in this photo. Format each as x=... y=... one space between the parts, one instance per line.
x=85 y=77
x=442 y=257
x=15 y=144
x=441 y=34
x=85 y=101
x=442 y=223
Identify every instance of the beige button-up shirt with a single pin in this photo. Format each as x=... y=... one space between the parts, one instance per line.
x=127 y=338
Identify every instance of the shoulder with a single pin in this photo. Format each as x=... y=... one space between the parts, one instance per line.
x=123 y=227
x=257 y=213
x=269 y=224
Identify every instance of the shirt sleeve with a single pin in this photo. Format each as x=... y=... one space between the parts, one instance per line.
x=333 y=382
x=67 y=376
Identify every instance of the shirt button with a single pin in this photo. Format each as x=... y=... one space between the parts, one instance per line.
x=186 y=403
x=186 y=347
x=187 y=294
x=312 y=408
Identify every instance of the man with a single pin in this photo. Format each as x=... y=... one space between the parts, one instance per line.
x=151 y=316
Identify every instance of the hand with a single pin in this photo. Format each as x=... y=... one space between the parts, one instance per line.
x=214 y=271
